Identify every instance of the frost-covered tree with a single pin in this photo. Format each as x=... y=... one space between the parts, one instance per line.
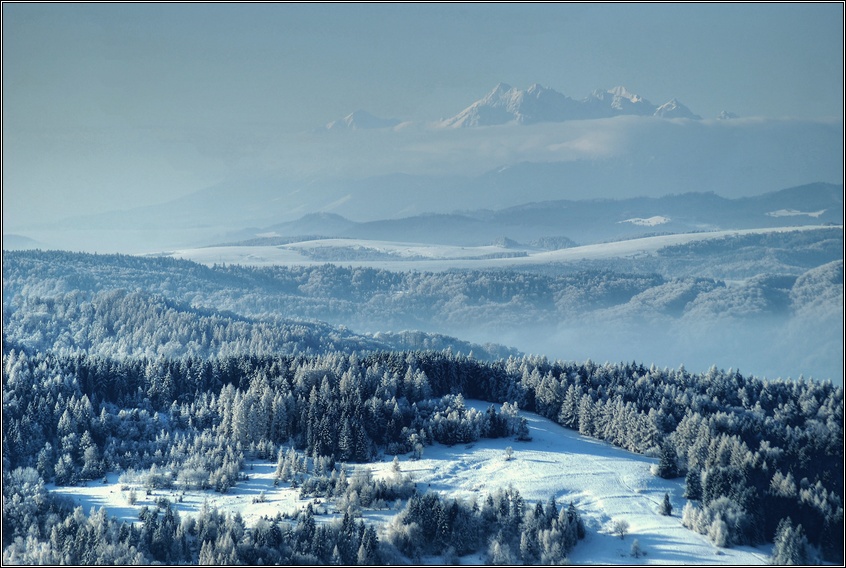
x=620 y=527
x=668 y=461
x=693 y=485
x=665 y=508
x=522 y=434
x=791 y=545
x=499 y=553
x=718 y=532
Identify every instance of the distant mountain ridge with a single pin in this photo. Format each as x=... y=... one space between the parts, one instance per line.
x=378 y=174
x=537 y=104
x=507 y=104
x=582 y=221
x=19 y=242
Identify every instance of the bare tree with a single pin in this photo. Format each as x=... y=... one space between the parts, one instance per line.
x=621 y=527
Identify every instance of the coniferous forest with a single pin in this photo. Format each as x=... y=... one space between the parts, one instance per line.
x=117 y=364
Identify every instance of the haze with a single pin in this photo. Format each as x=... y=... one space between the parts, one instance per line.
x=112 y=107
x=166 y=129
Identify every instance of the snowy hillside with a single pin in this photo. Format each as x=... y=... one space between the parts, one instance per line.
x=606 y=484
x=414 y=256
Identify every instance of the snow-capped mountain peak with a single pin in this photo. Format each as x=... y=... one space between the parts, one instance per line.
x=536 y=88
x=499 y=90
x=497 y=107
x=624 y=101
x=674 y=109
x=624 y=93
x=506 y=104
x=361 y=120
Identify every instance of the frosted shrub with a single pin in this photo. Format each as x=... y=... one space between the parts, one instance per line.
x=718 y=532
x=499 y=553
x=635 y=550
x=406 y=538
x=690 y=516
x=723 y=521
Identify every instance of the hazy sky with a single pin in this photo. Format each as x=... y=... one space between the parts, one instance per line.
x=113 y=106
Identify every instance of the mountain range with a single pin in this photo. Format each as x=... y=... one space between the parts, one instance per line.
x=537 y=104
x=532 y=150
x=561 y=223
x=505 y=104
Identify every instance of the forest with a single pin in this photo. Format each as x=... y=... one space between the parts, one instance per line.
x=121 y=364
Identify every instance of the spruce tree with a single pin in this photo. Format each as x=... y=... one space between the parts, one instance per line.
x=667 y=465
x=791 y=545
x=665 y=508
x=693 y=485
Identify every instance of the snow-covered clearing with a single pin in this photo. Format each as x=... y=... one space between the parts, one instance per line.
x=606 y=484
x=424 y=257
x=261 y=474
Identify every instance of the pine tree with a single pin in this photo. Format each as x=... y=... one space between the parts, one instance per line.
x=790 y=544
x=528 y=548
x=665 y=508
x=636 y=551
x=693 y=485
x=523 y=431
x=668 y=461
x=551 y=511
x=367 y=551
x=499 y=553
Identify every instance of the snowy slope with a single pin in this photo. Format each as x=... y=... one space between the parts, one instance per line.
x=415 y=256
x=606 y=484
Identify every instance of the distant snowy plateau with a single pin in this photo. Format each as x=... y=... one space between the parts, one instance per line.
x=398 y=256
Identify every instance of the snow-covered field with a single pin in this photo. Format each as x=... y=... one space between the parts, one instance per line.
x=261 y=474
x=606 y=484
x=416 y=256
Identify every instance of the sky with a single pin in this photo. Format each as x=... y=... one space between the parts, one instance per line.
x=117 y=106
